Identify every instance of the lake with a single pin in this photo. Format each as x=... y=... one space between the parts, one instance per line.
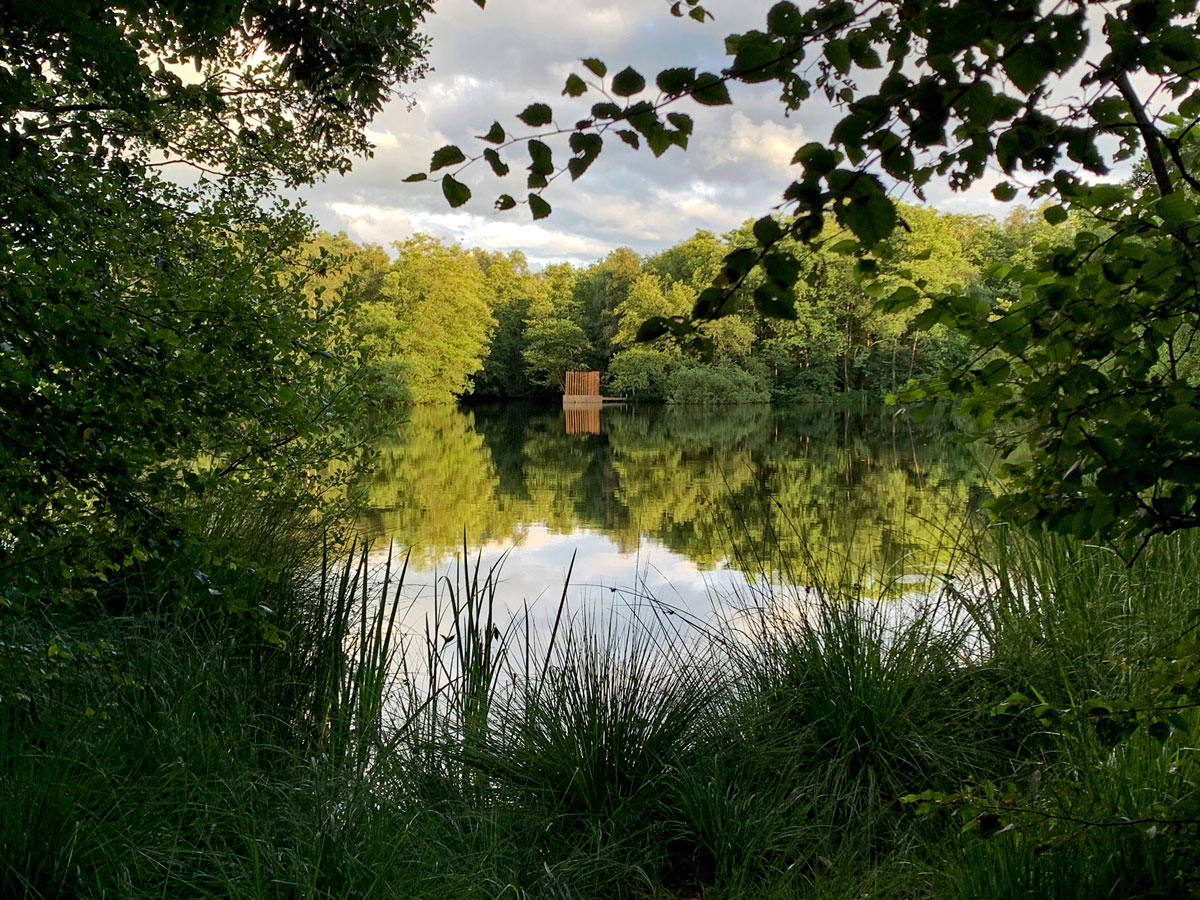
x=692 y=506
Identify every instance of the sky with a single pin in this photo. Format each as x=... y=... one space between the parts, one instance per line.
x=489 y=64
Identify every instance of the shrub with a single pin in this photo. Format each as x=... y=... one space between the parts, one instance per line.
x=722 y=383
x=642 y=373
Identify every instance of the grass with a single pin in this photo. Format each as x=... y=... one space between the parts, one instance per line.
x=294 y=741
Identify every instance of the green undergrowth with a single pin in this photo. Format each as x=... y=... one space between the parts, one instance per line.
x=296 y=733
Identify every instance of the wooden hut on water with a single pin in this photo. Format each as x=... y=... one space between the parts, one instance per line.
x=582 y=402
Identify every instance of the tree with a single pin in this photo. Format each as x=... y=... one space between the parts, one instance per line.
x=599 y=291
x=647 y=297
x=1086 y=369
x=511 y=286
x=158 y=342
x=695 y=262
x=428 y=333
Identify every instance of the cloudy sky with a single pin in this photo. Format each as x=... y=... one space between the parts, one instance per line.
x=490 y=64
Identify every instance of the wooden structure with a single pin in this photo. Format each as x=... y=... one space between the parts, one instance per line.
x=582 y=402
x=584 y=385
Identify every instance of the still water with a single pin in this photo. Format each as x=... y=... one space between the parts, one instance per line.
x=691 y=506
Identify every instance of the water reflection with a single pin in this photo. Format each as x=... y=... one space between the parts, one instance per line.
x=696 y=496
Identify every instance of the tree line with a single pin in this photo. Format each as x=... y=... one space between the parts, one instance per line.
x=441 y=321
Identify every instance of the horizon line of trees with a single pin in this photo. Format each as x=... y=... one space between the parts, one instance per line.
x=441 y=321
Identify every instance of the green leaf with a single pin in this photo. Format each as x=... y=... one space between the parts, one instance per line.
x=575 y=86
x=675 y=81
x=837 y=52
x=774 y=307
x=871 y=217
x=785 y=19
x=505 y=201
x=865 y=56
x=900 y=299
x=495 y=134
x=1189 y=107
x=681 y=121
x=1175 y=209
x=659 y=140
x=628 y=82
x=594 y=66
x=767 y=231
x=1004 y=192
x=756 y=57
x=1055 y=215
x=498 y=165
x=586 y=144
x=782 y=269
x=707 y=303
x=653 y=328
x=710 y=90
x=540 y=157
x=446 y=156
x=817 y=158
x=1028 y=65
x=535 y=115
x=739 y=262
x=539 y=207
x=629 y=137
x=607 y=110
x=456 y=192
x=587 y=147
x=416 y=176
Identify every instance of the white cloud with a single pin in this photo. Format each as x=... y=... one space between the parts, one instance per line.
x=383 y=140
x=770 y=143
x=373 y=224
x=489 y=64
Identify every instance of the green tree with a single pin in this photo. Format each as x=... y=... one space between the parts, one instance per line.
x=648 y=297
x=694 y=262
x=511 y=286
x=599 y=290
x=555 y=346
x=427 y=334
x=336 y=266
x=140 y=319
x=643 y=373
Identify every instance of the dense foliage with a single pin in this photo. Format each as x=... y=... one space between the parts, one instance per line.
x=186 y=367
x=158 y=343
x=487 y=326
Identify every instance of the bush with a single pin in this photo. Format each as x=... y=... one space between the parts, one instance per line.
x=716 y=384
x=642 y=373
x=803 y=385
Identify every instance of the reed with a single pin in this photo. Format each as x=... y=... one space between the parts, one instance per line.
x=329 y=748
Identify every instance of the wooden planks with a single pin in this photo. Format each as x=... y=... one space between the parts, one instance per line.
x=583 y=419
x=582 y=384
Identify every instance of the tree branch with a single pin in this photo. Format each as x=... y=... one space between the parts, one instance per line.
x=1150 y=135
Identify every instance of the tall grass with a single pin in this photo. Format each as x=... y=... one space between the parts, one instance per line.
x=303 y=740
x=1066 y=623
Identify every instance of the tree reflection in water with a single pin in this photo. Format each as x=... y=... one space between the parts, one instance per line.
x=800 y=495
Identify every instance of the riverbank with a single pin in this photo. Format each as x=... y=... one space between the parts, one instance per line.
x=262 y=745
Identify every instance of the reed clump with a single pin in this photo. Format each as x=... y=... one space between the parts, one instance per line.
x=306 y=738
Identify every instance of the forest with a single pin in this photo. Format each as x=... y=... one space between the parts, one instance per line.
x=441 y=322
